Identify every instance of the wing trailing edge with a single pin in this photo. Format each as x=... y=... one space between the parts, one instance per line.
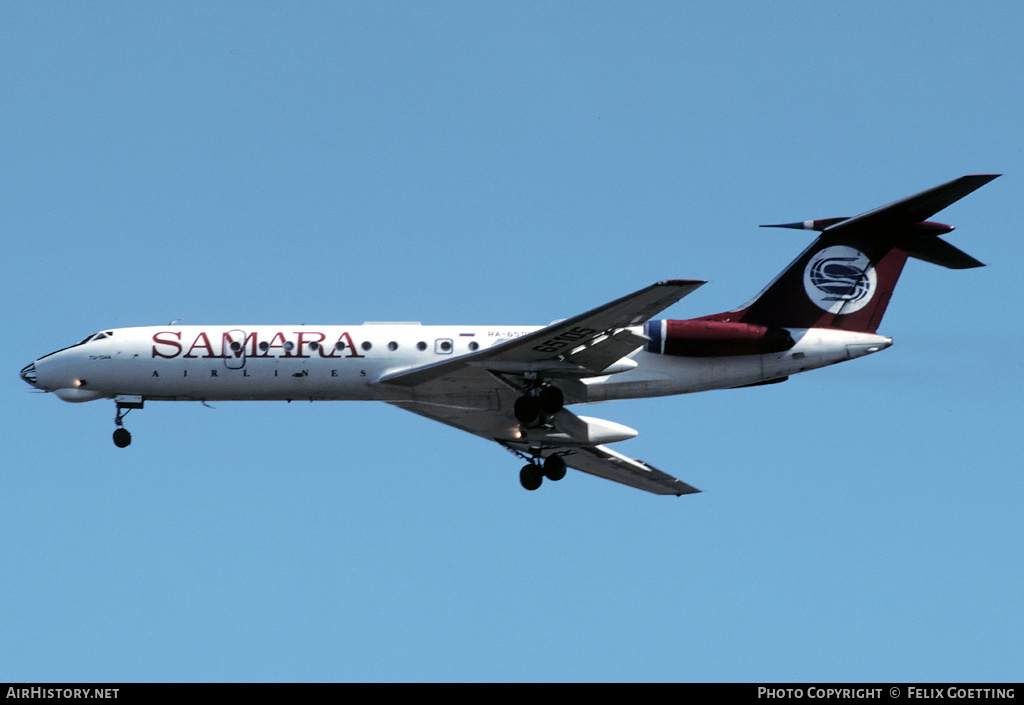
x=601 y=461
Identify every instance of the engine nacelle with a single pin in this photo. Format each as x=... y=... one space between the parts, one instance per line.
x=702 y=338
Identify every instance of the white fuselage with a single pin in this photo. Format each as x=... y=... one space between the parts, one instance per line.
x=258 y=362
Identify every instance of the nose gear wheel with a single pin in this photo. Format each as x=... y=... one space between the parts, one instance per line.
x=122 y=438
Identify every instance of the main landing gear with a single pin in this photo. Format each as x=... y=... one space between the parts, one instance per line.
x=538 y=402
x=124 y=404
x=533 y=474
x=533 y=409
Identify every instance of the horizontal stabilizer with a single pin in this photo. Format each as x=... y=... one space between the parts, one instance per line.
x=907 y=214
x=937 y=251
x=911 y=210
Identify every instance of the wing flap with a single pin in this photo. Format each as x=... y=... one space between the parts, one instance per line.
x=606 y=351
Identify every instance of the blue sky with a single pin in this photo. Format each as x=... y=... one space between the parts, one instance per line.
x=469 y=163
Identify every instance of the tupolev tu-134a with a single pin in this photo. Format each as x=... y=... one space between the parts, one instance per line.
x=514 y=384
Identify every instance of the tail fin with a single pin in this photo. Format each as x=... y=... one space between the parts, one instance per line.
x=846 y=277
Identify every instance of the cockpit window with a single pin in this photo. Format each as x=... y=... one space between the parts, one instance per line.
x=87 y=339
x=94 y=336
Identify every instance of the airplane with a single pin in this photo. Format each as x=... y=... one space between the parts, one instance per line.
x=514 y=384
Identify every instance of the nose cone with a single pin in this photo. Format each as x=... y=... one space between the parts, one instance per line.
x=28 y=373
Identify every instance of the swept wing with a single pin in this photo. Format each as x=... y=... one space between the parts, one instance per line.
x=476 y=392
x=545 y=349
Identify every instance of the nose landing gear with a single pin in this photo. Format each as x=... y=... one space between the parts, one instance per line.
x=124 y=404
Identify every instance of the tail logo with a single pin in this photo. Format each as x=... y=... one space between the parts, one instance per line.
x=840 y=279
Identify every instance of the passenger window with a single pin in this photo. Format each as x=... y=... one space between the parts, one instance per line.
x=443 y=346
